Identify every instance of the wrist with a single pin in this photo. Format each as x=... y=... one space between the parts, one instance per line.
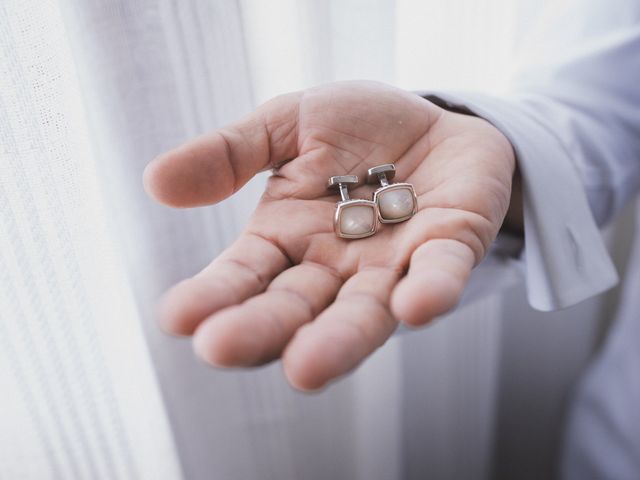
x=514 y=219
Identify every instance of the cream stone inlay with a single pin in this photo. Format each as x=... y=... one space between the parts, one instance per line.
x=396 y=203
x=357 y=219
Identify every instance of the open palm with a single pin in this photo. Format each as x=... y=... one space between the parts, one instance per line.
x=289 y=287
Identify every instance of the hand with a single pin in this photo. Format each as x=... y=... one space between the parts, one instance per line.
x=288 y=287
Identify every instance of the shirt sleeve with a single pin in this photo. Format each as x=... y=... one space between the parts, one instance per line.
x=573 y=117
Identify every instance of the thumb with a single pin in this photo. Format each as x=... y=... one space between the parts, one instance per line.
x=214 y=166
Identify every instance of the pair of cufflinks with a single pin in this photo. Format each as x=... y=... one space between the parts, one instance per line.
x=392 y=203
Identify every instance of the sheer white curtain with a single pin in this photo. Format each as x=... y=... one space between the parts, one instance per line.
x=78 y=398
x=89 y=92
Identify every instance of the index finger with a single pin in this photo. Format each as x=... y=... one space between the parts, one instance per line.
x=243 y=270
x=215 y=165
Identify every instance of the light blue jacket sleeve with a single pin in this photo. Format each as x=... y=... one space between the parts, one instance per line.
x=573 y=117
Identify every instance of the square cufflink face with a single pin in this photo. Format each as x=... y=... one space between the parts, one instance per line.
x=355 y=219
x=396 y=202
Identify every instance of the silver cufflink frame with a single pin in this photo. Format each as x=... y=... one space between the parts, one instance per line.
x=382 y=174
x=341 y=183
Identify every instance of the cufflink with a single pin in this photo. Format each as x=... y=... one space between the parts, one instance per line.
x=396 y=202
x=353 y=218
